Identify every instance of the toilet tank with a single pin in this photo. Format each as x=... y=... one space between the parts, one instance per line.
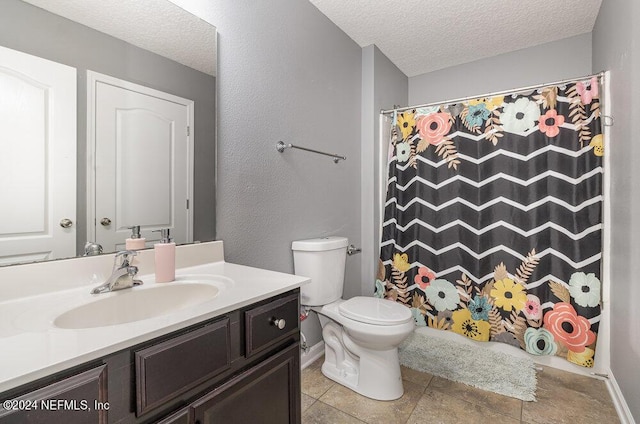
x=322 y=260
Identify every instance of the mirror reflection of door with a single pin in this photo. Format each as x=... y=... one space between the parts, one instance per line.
x=37 y=158
x=143 y=162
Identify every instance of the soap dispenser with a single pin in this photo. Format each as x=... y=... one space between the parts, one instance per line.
x=165 y=258
x=135 y=242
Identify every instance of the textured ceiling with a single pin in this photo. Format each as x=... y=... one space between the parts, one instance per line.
x=159 y=26
x=421 y=36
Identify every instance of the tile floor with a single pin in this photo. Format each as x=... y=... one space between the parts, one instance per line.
x=562 y=398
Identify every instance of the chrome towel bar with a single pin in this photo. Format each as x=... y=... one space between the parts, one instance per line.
x=280 y=146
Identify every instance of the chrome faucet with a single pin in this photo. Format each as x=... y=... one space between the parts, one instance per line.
x=122 y=276
x=92 y=249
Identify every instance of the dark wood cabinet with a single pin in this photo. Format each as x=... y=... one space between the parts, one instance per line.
x=242 y=367
x=80 y=399
x=268 y=324
x=180 y=417
x=268 y=393
x=170 y=368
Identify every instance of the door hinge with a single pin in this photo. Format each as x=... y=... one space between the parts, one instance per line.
x=188 y=130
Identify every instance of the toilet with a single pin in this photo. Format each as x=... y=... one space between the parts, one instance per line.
x=361 y=334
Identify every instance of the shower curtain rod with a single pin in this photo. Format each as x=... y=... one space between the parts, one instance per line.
x=496 y=93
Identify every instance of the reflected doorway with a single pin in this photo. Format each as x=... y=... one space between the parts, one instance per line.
x=141 y=172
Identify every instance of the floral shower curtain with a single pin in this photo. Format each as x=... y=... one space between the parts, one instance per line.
x=493 y=219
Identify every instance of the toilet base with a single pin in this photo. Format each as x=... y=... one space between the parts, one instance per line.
x=361 y=356
x=368 y=378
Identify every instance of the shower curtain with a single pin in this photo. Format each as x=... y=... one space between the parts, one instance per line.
x=493 y=219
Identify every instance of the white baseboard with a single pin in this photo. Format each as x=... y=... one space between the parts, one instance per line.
x=624 y=413
x=313 y=353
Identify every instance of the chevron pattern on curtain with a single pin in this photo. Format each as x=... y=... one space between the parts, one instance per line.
x=493 y=219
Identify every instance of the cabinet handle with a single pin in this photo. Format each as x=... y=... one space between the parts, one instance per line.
x=280 y=323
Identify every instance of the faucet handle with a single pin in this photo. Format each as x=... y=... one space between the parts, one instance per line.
x=132 y=270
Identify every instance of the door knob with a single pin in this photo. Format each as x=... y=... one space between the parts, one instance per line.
x=105 y=222
x=66 y=223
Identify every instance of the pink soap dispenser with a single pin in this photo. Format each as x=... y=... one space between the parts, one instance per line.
x=135 y=242
x=165 y=258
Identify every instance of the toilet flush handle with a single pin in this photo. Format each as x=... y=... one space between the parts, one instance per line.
x=280 y=323
x=352 y=250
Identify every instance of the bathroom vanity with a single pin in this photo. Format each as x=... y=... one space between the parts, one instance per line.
x=232 y=358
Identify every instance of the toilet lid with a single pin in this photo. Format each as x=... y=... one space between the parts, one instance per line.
x=372 y=310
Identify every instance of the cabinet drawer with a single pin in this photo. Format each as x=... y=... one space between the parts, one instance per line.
x=270 y=323
x=170 y=368
x=78 y=399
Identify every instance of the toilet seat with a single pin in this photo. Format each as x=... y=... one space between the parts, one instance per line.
x=375 y=311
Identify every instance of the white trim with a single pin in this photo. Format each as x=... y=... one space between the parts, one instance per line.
x=604 y=334
x=368 y=258
x=308 y=357
x=384 y=124
x=92 y=79
x=622 y=408
x=603 y=345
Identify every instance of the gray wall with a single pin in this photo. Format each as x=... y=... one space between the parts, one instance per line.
x=383 y=86
x=567 y=58
x=35 y=31
x=285 y=72
x=616 y=47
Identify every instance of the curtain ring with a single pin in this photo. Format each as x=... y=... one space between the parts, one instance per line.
x=608 y=120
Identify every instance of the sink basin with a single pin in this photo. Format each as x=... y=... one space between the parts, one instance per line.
x=136 y=304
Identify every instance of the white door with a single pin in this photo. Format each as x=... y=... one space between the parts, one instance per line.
x=37 y=158
x=143 y=162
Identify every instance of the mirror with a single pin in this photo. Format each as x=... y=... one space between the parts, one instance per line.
x=150 y=43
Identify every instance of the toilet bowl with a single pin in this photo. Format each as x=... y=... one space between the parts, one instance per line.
x=361 y=334
x=362 y=354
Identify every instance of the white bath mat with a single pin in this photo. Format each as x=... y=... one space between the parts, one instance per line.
x=475 y=366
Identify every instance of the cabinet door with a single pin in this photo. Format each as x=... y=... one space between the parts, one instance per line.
x=180 y=417
x=268 y=393
x=79 y=399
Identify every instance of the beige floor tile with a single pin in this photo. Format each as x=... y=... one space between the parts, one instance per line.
x=307 y=401
x=314 y=383
x=552 y=377
x=564 y=397
x=500 y=404
x=321 y=413
x=420 y=378
x=435 y=407
x=372 y=411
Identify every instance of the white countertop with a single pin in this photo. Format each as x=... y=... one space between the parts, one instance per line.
x=31 y=346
